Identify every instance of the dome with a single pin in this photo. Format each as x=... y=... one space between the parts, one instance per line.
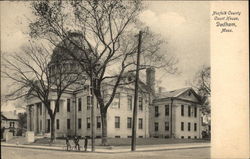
x=68 y=48
x=67 y=51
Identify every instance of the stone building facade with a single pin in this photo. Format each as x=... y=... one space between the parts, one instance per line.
x=176 y=114
x=74 y=114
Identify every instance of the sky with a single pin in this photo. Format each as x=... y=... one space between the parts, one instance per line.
x=183 y=25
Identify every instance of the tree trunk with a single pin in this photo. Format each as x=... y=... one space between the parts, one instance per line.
x=52 y=132
x=104 y=127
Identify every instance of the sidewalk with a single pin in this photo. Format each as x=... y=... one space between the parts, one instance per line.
x=119 y=149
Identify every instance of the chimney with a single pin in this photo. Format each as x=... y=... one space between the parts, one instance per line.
x=150 y=73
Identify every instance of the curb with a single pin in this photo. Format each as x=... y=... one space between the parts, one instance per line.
x=41 y=148
x=110 y=152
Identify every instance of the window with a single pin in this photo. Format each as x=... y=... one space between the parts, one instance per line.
x=79 y=123
x=117 y=122
x=49 y=105
x=129 y=136
x=182 y=126
x=129 y=122
x=40 y=108
x=48 y=125
x=140 y=136
x=12 y=124
x=88 y=102
x=195 y=126
x=57 y=124
x=57 y=108
x=195 y=112
x=98 y=122
x=189 y=137
x=118 y=98
x=140 y=103
x=189 y=126
x=156 y=126
x=182 y=137
x=182 y=110
x=41 y=127
x=189 y=111
x=129 y=102
x=167 y=126
x=140 y=123
x=117 y=136
x=68 y=123
x=79 y=104
x=88 y=122
x=156 y=111
x=195 y=137
x=68 y=105
x=167 y=110
x=116 y=101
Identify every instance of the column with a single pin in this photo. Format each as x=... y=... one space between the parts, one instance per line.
x=45 y=114
x=28 y=117
x=52 y=107
x=199 y=121
x=42 y=118
x=63 y=119
x=31 y=118
x=35 y=118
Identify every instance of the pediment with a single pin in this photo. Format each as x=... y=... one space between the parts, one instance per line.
x=189 y=95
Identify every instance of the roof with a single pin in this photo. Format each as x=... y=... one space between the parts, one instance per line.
x=129 y=77
x=9 y=115
x=176 y=93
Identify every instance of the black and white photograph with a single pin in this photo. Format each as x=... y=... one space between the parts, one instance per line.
x=123 y=79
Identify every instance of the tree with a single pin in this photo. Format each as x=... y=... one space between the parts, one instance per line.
x=33 y=74
x=201 y=83
x=22 y=122
x=100 y=36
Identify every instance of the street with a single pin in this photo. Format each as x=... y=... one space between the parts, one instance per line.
x=24 y=153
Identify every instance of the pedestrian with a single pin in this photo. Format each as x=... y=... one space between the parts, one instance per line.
x=86 y=143
x=76 y=141
x=67 y=143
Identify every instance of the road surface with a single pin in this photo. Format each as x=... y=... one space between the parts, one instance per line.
x=25 y=153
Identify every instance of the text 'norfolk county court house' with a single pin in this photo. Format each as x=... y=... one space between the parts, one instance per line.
x=173 y=114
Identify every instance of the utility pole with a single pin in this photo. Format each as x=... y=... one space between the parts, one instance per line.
x=133 y=143
x=92 y=113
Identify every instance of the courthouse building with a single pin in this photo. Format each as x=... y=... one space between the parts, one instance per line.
x=170 y=114
x=74 y=114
